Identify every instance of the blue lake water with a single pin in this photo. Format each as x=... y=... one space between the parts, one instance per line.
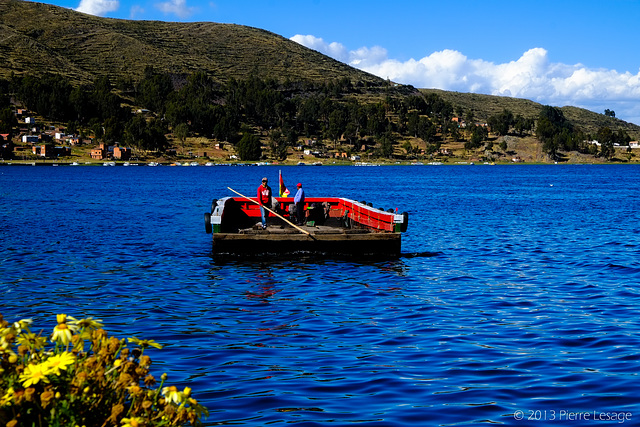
x=516 y=300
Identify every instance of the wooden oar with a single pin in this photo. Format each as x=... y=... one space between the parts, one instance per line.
x=275 y=213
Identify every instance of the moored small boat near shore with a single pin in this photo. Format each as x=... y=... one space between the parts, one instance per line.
x=334 y=227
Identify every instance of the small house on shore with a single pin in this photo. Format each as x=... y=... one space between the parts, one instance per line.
x=121 y=153
x=111 y=152
x=30 y=139
x=50 y=151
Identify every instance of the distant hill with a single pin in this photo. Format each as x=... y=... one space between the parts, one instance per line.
x=485 y=106
x=38 y=38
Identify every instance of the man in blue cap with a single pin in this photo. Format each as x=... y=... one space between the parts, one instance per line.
x=299 y=202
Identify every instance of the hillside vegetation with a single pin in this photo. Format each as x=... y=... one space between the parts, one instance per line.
x=485 y=106
x=36 y=38
x=263 y=95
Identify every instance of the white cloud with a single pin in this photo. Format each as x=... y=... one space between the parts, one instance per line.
x=334 y=50
x=98 y=7
x=175 y=7
x=532 y=76
x=135 y=11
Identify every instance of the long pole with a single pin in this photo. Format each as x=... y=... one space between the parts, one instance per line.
x=275 y=213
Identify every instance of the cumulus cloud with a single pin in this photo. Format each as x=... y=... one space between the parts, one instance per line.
x=135 y=11
x=532 y=76
x=334 y=50
x=175 y=7
x=98 y=7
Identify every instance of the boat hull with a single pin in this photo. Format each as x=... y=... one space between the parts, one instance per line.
x=341 y=244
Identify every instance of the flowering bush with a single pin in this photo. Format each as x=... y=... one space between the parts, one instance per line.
x=62 y=383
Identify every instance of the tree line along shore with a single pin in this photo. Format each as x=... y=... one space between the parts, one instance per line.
x=198 y=121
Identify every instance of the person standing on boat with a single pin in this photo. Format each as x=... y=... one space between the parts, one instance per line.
x=299 y=202
x=264 y=198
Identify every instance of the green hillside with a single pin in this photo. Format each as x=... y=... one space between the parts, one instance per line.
x=37 y=38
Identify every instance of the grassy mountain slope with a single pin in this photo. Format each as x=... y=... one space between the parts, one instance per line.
x=36 y=38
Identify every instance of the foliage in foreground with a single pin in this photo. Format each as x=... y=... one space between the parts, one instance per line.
x=57 y=382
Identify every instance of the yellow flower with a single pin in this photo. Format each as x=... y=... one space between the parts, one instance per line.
x=62 y=333
x=145 y=343
x=132 y=422
x=31 y=340
x=22 y=324
x=60 y=361
x=7 y=398
x=34 y=374
x=88 y=323
x=5 y=345
x=172 y=394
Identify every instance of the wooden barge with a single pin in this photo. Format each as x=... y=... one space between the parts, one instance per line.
x=334 y=226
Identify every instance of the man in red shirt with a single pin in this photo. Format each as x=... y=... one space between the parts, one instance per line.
x=264 y=198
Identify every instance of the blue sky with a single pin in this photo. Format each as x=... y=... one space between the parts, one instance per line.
x=582 y=53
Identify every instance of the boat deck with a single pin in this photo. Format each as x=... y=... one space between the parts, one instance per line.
x=313 y=230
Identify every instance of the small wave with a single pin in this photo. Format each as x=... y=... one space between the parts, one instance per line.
x=425 y=254
x=624 y=268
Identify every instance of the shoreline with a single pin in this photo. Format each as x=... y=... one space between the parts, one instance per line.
x=289 y=164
